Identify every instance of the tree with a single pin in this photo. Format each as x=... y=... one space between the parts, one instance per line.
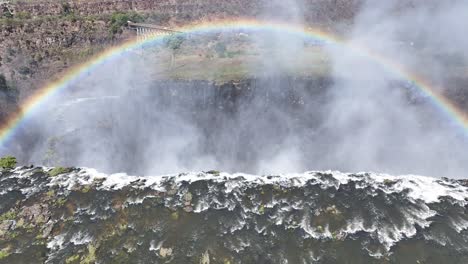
x=8 y=89
x=119 y=20
x=3 y=83
x=174 y=42
x=8 y=162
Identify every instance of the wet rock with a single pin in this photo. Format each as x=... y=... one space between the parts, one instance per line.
x=172 y=190
x=47 y=229
x=339 y=236
x=464 y=182
x=165 y=252
x=188 y=197
x=188 y=209
x=332 y=210
x=20 y=223
x=37 y=213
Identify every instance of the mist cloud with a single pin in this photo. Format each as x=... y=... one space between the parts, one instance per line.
x=359 y=118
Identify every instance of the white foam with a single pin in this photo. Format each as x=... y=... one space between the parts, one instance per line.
x=81 y=238
x=422 y=188
x=57 y=242
x=459 y=224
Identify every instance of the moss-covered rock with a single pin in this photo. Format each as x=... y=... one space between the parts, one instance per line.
x=175 y=216
x=214 y=172
x=72 y=259
x=91 y=256
x=58 y=171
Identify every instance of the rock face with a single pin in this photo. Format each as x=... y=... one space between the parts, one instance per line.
x=33 y=50
x=316 y=10
x=328 y=217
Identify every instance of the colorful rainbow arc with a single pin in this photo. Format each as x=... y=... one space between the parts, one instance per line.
x=7 y=129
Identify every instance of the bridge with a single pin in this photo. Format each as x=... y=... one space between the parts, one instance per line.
x=145 y=31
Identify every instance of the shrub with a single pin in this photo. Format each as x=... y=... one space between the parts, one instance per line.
x=66 y=8
x=8 y=162
x=24 y=70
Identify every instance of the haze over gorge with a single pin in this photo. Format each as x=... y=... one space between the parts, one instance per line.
x=257 y=131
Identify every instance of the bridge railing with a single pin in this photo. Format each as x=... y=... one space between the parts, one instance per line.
x=145 y=31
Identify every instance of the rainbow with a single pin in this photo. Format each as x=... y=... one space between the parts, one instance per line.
x=8 y=128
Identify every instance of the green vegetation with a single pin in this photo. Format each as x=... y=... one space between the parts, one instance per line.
x=388 y=182
x=86 y=189
x=4 y=254
x=8 y=162
x=214 y=172
x=91 y=257
x=59 y=170
x=50 y=194
x=119 y=20
x=174 y=43
x=72 y=259
x=261 y=210
x=10 y=215
x=175 y=216
x=60 y=202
